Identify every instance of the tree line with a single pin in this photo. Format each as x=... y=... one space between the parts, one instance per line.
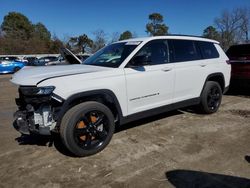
x=18 y=35
x=232 y=27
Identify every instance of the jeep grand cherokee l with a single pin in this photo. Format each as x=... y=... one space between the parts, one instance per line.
x=122 y=82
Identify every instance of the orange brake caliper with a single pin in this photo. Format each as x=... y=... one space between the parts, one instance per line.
x=81 y=125
x=93 y=120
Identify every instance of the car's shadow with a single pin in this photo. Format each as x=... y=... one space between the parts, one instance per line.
x=147 y=120
x=55 y=140
x=197 y=179
x=46 y=141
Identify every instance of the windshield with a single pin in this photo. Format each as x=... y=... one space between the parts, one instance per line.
x=112 y=55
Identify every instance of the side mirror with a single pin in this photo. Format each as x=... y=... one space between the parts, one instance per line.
x=140 y=61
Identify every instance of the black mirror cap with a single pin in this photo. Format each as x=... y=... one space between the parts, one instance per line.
x=139 y=61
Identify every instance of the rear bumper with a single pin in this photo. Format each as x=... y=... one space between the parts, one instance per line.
x=240 y=82
x=226 y=89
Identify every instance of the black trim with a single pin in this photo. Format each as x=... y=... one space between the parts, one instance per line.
x=145 y=96
x=226 y=89
x=159 y=110
x=103 y=92
x=214 y=75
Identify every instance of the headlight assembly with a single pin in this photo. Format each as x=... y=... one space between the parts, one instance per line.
x=31 y=91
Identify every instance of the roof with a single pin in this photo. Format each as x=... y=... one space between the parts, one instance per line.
x=183 y=37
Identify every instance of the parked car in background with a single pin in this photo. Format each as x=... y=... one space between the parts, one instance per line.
x=7 y=66
x=239 y=56
x=43 y=60
x=60 y=61
x=30 y=60
x=8 y=58
x=13 y=58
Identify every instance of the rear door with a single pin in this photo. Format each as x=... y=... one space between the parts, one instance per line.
x=189 y=69
x=150 y=84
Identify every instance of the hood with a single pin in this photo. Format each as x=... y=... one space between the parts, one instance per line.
x=33 y=75
x=69 y=56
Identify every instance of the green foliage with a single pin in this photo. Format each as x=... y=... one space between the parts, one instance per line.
x=126 y=35
x=16 y=25
x=80 y=43
x=156 y=27
x=211 y=33
x=41 y=32
x=19 y=36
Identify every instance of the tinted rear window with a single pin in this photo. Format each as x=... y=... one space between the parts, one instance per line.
x=184 y=50
x=239 y=51
x=208 y=50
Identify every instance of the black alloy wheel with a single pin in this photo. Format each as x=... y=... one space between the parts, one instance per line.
x=87 y=128
x=210 y=99
x=213 y=98
x=91 y=130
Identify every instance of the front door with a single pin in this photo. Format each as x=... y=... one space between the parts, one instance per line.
x=150 y=78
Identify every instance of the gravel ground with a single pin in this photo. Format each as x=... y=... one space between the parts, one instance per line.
x=176 y=149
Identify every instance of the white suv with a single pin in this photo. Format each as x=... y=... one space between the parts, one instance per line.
x=122 y=82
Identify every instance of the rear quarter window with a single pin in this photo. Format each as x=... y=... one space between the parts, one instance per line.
x=208 y=50
x=184 y=50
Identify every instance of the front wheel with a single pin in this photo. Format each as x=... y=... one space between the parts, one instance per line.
x=87 y=128
x=16 y=69
x=210 y=98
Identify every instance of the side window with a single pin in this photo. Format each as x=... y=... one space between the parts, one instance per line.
x=184 y=50
x=208 y=50
x=153 y=53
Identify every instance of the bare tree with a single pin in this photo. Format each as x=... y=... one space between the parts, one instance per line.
x=233 y=26
x=99 y=41
x=114 y=37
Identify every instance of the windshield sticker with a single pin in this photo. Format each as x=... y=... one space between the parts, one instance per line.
x=133 y=43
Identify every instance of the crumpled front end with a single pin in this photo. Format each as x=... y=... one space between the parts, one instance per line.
x=37 y=110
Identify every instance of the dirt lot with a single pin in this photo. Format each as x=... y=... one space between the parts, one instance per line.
x=176 y=149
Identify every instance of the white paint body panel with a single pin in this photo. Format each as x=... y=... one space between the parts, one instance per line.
x=149 y=87
x=165 y=83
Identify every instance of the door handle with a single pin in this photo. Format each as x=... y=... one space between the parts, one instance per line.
x=203 y=65
x=166 y=69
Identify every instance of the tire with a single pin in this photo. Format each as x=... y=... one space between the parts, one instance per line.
x=210 y=98
x=16 y=69
x=87 y=128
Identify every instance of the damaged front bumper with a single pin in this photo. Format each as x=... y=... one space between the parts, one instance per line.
x=37 y=114
x=40 y=121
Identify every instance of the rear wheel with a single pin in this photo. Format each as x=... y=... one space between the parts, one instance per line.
x=87 y=128
x=210 y=98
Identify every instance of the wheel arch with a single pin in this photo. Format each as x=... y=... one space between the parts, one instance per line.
x=104 y=96
x=16 y=68
x=216 y=77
